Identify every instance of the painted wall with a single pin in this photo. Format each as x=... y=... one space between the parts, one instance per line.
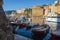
x=37 y=12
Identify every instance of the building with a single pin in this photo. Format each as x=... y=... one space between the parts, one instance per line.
x=55 y=7
x=20 y=12
x=52 y=14
x=47 y=9
x=37 y=14
x=17 y=13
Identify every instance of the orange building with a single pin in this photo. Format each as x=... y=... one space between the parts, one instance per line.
x=37 y=13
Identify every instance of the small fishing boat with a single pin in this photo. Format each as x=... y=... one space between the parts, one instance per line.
x=13 y=23
x=21 y=25
x=40 y=32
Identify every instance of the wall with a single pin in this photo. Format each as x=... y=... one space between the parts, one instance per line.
x=37 y=12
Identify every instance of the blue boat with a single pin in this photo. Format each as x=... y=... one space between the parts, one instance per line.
x=24 y=32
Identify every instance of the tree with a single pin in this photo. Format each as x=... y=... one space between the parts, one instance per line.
x=28 y=12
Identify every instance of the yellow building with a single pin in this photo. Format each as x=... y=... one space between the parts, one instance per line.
x=47 y=9
x=52 y=8
x=37 y=13
x=52 y=12
x=56 y=7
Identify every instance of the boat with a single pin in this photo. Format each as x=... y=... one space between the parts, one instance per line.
x=21 y=25
x=40 y=32
x=25 y=30
x=13 y=23
x=55 y=35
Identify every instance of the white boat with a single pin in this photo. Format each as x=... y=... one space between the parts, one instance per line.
x=53 y=19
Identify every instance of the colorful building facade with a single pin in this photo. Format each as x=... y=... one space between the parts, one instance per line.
x=52 y=14
x=37 y=14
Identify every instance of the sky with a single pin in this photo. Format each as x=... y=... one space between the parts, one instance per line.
x=19 y=4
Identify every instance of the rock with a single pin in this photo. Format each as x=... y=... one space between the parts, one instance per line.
x=2 y=35
x=5 y=29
